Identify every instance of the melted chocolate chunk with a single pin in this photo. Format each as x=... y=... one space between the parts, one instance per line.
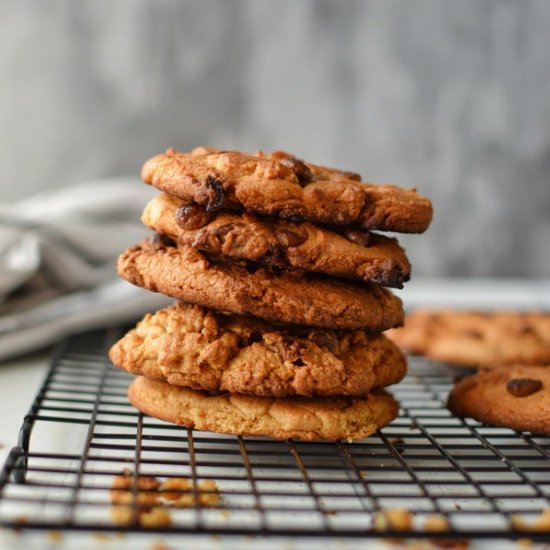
x=212 y=194
x=192 y=216
x=523 y=387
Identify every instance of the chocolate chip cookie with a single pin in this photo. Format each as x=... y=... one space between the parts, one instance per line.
x=281 y=185
x=476 y=338
x=194 y=347
x=354 y=254
x=182 y=272
x=280 y=418
x=514 y=396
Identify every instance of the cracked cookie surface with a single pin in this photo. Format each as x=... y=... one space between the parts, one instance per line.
x=476 y=338
x=354 y=254
x=301 y=418
x=297 y=298
x=194 y=347
x=281 y=185
x=513 y=396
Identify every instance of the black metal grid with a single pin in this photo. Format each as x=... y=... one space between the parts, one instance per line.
x=84 y=433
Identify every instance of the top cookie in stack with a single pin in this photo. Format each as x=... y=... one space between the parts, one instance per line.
x=285 y=241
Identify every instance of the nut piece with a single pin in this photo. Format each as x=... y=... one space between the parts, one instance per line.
x=523 y=387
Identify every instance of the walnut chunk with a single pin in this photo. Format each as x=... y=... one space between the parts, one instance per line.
x=523 y=387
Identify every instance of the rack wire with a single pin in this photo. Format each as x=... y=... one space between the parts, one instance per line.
x=81 y=432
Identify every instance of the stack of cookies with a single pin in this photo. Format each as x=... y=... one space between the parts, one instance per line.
x=281 y=298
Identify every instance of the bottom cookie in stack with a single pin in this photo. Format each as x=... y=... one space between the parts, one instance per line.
x=240 y=375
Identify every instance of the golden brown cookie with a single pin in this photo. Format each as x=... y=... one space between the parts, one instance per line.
x=475 y=338
x=184 y=273
x=356 y=254
x=281 y=185
x=280 y=418
x=194 y=347
x=514 y=396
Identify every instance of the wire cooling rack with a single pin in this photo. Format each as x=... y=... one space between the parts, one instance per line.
x=81 y=432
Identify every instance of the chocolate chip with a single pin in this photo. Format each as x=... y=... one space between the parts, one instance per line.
x=357 y=236
x=473 y=333
x=523 y=387
x=192 y=216
x=211 y=194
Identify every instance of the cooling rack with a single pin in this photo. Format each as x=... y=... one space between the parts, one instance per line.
x=81 y=432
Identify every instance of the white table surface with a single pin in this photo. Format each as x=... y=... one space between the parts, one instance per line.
x=20 y=379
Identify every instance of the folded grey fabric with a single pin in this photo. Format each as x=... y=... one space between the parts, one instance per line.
x=57 y=263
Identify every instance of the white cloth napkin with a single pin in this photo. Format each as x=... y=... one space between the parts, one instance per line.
x=57 y=263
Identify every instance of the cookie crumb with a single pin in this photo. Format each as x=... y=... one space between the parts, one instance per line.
x=180 y=491
x=393 y=519
x=147 y=501
x=19 y=520
x=436 y=523
x=101 y=536
x=55 y=536
x=541 y=524
x=156 y=517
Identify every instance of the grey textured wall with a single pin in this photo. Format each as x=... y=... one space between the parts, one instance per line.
x=452 y=97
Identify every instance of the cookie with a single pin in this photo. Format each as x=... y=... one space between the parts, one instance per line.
x=281 y=185
x=475 y=338
x=355 y=254
x=513 y=396
x=280 y=418
x=194 y=347
x=184 y=273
